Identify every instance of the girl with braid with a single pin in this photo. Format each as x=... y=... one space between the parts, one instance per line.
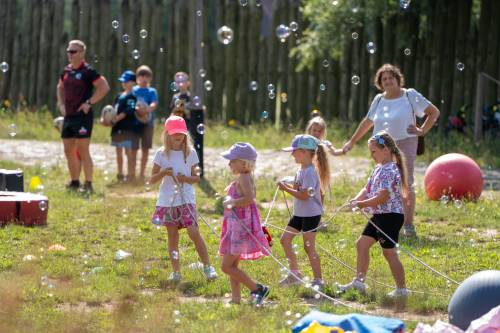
x=383 y=197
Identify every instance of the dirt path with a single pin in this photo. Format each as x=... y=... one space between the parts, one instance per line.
x=271 y=163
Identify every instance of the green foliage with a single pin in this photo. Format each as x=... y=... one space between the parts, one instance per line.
x=331 y=25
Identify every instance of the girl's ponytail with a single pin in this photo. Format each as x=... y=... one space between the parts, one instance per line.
x=400 y=162
x=322 y=167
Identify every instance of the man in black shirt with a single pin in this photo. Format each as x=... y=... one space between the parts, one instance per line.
x=75 y=97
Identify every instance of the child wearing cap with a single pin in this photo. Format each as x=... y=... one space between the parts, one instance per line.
x=147 y=96
x=311 y=181
x=125 y=130
x=176 y=166
x=242 y=236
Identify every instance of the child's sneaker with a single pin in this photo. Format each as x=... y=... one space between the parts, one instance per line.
x=354 y=284
x=399 y=292
x=260 y=294
x=175 y=277
x=409 y=231
x=291 y=280
x=317 y=284
x=210 y=273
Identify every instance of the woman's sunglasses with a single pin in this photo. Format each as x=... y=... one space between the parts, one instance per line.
x=72 y=51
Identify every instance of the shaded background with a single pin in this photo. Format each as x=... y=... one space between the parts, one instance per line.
x=438 y=34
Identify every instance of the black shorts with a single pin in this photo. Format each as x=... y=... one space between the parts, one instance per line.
x=78 y=127
x=389 y=223
x=306 y=223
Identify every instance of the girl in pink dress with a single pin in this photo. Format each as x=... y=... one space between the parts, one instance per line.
x=242 y=236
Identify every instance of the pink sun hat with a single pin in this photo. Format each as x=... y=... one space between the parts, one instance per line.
x=175 y=124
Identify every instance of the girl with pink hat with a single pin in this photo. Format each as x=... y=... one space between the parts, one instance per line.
x=176 y=166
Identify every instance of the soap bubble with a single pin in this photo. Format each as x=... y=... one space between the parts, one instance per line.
x=4 y=67
x=282 y=32
x=460 y=66
x=254 y=86
x=325 y=63
x=270 y=87
x=371 y=47
x=42 y=205
x=311 y=192
x=264 y=115
x=404 y=4
x=444 y=199
x=294 y=26
x=354 y=35
x=202 y=73
x=136 y=54
x=174 y=87
x=407 y=52
x=355 y=80
x=196 y=101
x=143 y=33
x=125 y=38
x=208 y=85
x=12 y=130
x=200 y=129
x=225 y=35
x=115 y=24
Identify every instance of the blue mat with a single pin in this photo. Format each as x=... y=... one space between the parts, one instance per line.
x=351 y=322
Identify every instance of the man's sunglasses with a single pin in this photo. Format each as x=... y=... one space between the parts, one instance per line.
x=72 y=51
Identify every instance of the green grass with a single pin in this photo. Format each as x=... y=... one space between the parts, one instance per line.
x=38 y=126
x=113 y=294
x=83 y=289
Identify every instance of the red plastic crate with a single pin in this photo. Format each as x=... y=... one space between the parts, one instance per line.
x=23 y=208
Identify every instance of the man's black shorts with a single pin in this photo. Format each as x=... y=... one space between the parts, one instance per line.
x=78 y=127
x=389 y=223
x=305 y=224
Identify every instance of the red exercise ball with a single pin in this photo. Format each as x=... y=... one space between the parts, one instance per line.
x=454 y=175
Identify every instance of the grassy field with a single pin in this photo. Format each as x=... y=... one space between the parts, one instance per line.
x=83 y=289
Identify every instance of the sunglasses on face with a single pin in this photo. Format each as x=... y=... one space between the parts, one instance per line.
x=72 y=51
